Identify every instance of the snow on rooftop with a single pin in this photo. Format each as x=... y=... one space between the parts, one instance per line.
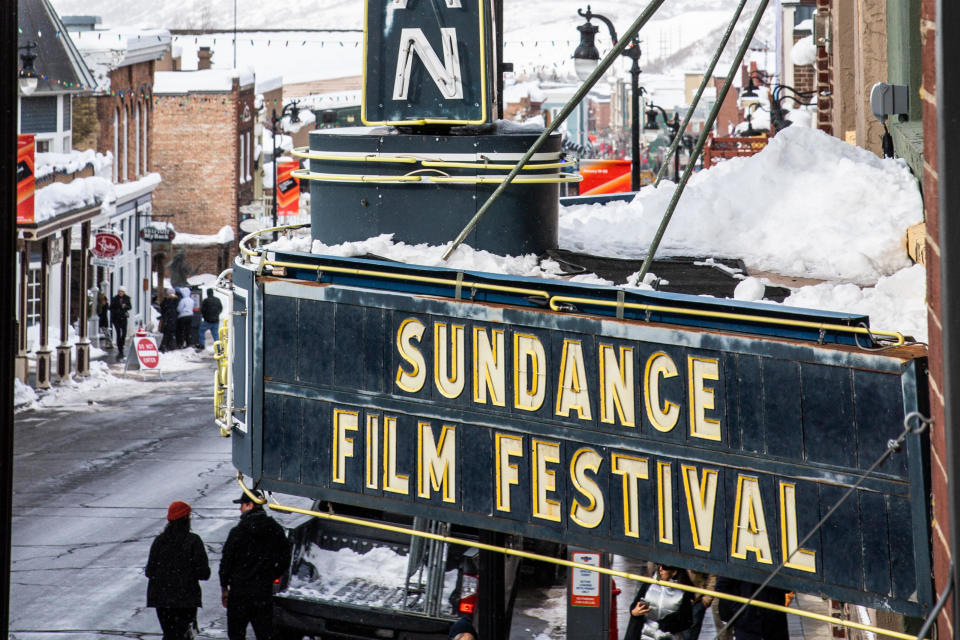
x=265 y=84
x=72 y=162
x=208 y=80
x=224 y=236
x=61 y=197
x=125 y=190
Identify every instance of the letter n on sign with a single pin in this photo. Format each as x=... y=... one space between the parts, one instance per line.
x=427 y=62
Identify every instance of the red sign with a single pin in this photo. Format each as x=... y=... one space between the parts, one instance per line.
x=107 y=245
x=288 y=189
x=25 y=179
x=601 y=176
x=147 y=352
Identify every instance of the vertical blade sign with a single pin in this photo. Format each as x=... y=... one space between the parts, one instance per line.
x=427 y=62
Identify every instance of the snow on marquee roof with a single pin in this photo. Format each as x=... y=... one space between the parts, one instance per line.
x=206 y=81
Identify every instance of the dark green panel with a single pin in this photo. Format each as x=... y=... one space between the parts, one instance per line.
x=782 y=411
x=827 y=402
x=280 y=320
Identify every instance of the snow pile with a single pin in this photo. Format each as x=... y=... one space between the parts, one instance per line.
x=808 y=205
x=24 y=397
x=72 y=162
x=897 y=303
x=804 y=52
x=380 y=566
x=224 y=236
x=463 y=258
x=62 y=197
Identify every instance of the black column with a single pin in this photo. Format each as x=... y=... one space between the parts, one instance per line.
x=8 y=281
x=948 y=168
x=491 y=619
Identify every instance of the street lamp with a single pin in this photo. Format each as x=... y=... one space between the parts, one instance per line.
x=293 y=110
x=28 y=75
x=674 y=128
x=585 y=60
x=778 y=115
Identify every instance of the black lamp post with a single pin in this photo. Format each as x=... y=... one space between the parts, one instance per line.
x=28 y=75
x=293 y=110
x=585 y=60
x=674 y=128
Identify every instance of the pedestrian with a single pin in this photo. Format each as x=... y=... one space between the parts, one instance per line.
x=210 y=309
x=660 y=612
x=702 y=603
x=177 y=563
x=755 y=623
x=168 y=321
x=119 y=312
x=103 y=313
x=255 y=554
x=463 y=629
x=184 y=317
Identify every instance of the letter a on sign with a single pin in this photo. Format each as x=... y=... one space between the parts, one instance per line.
x=427 y=62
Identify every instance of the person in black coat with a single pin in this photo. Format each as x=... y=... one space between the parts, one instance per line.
x=177 y=563
x=255 y=554
x=168 y=321
x=658 y=612
x=119 y=312
x=754 y=623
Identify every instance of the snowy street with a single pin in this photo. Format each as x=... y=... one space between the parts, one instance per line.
x=91 y=489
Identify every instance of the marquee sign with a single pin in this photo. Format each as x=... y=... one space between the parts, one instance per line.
x=427 y=62
x=706 y=448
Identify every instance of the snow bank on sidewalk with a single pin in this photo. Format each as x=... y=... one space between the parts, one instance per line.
x=808 y=205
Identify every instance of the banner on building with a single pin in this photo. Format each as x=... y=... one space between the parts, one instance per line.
x=25 y=179
x=288 y=189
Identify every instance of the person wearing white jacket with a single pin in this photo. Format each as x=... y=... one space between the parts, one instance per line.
x=184 y=317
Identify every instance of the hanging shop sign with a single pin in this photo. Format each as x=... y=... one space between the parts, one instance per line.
x=107 y=245
x=520 y=405
x=427 y=62
x=25 y=178
x=288 y=189
x=157 y=234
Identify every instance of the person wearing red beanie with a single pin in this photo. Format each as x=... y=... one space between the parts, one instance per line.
x=177 y=563
x=177 y=509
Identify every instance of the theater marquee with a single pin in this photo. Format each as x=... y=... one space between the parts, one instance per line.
x=706 y=448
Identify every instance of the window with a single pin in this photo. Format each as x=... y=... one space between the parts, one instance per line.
x=33 y=297
x=136 y=141
x=38 y=115
x=243 y=174
x=249 y=162
x=116 y=146
x=126 y=139
x=43 y=146
x=802 y=13
x=146 y=110
x=67 y=114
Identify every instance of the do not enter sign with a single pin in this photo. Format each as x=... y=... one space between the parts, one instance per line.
x=147 y=352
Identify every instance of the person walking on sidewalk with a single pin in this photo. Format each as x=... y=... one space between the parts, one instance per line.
x=168 y=320
x=255 y=554
x=184 y=317
x=119 y=313
x=177 y=563
x=210 y=309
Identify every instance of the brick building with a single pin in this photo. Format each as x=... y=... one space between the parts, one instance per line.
x=204 y=147
x=118 y=119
